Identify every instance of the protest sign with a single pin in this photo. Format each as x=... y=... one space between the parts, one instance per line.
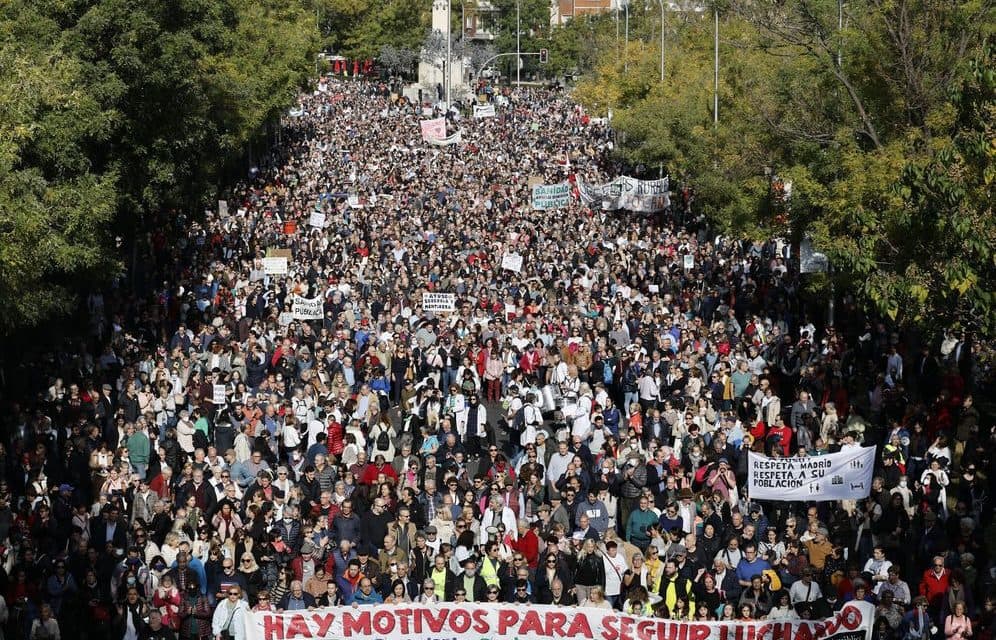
x=689 y=261
x=627 y=193
x=276 y=266
x=551 y=196
x=484 y=111
x=317 y=219
x=433 y=129
x=218 y=394
x=453 y=139
x=512 y=262
x=846 y=475
x=472 y=621
x=223 y=208
x=438 y=302
x=307 y=308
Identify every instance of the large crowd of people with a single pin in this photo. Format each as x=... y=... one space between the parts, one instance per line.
x=572 y=433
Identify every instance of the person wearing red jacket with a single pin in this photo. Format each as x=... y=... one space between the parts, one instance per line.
x=527 y=544
x=377 y=468
x=934 y=584
x=307 y=558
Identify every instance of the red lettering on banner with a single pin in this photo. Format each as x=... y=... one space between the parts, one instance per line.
x=555 y=624
x=508 y=618
x=383 y=622
x=723 y=633
x=763 y=630
x=460 y=621
x=273 y=628
x=360 y=625
x=404 y=619
x=851 y=618
x=435 y=620
x=579 y=627
x=531 y=624
x=682 y=632
x=481 y=620
x=625 y=628
x=700 y=632
x=609 y=628
x=672 y=631
x=645 y=629
x=804 y=632
x=324 y=623
x=298 y=627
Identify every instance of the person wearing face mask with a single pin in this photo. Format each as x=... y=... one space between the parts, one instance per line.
x=902 y=488
x=195 y=613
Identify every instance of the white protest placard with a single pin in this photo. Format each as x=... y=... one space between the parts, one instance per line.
x=627 y=193
x=317 y=220
x=275 y=266
x=845 y=475
x=307 y=308
x=551 y=196
x=218 y=394
x=223 y=208
x=512 y=262
x=689 y=261
x=438 y=302
x=484 y=111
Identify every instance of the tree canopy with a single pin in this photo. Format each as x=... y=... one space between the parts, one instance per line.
x=115 y=108
x=882 y=129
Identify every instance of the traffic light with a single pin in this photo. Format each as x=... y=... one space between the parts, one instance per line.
x=544 y=56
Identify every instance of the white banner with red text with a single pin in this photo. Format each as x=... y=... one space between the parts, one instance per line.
x=522 y=622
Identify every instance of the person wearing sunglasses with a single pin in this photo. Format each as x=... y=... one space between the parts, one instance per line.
x=232 y=616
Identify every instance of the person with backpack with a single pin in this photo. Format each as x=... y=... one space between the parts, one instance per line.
x=630 y=384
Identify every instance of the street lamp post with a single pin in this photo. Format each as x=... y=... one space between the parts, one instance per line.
x=626 y=39
x=715 y=81
x=662 y=39
x=449 y=60
x=518 y=59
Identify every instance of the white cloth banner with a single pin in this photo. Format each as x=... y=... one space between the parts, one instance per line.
x=473 y=621
x=551 y=196
x=627 y=193
x=433 y=129
x=438 y=302
x=275 y=266
x=453 y=139
x=307 y=308
x=484 y=111
x=512 y=262
x=845 y=475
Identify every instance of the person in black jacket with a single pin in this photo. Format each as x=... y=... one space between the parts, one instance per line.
x=471 y=581
x=589 y=572
x=296 y=599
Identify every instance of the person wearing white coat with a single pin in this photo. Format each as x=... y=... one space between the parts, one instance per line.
x=231 y=615
x=581 y=413
x=496 y=513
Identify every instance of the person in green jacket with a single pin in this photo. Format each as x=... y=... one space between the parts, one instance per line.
x=639 y=523
x=139 y=448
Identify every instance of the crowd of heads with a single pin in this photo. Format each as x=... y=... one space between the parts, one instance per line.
x=573 y=432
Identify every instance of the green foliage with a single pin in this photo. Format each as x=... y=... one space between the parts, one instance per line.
x=114 y=108
x=359 y=28
x=891 y=171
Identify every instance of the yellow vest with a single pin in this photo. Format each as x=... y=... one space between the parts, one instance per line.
x=489 y=572
x=439 y=578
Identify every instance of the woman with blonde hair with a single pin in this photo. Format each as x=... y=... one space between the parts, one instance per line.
x=596 y=599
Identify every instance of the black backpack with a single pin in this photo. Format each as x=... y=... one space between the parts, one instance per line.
x=383 y=441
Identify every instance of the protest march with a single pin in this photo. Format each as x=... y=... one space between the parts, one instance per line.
x=457 y=374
